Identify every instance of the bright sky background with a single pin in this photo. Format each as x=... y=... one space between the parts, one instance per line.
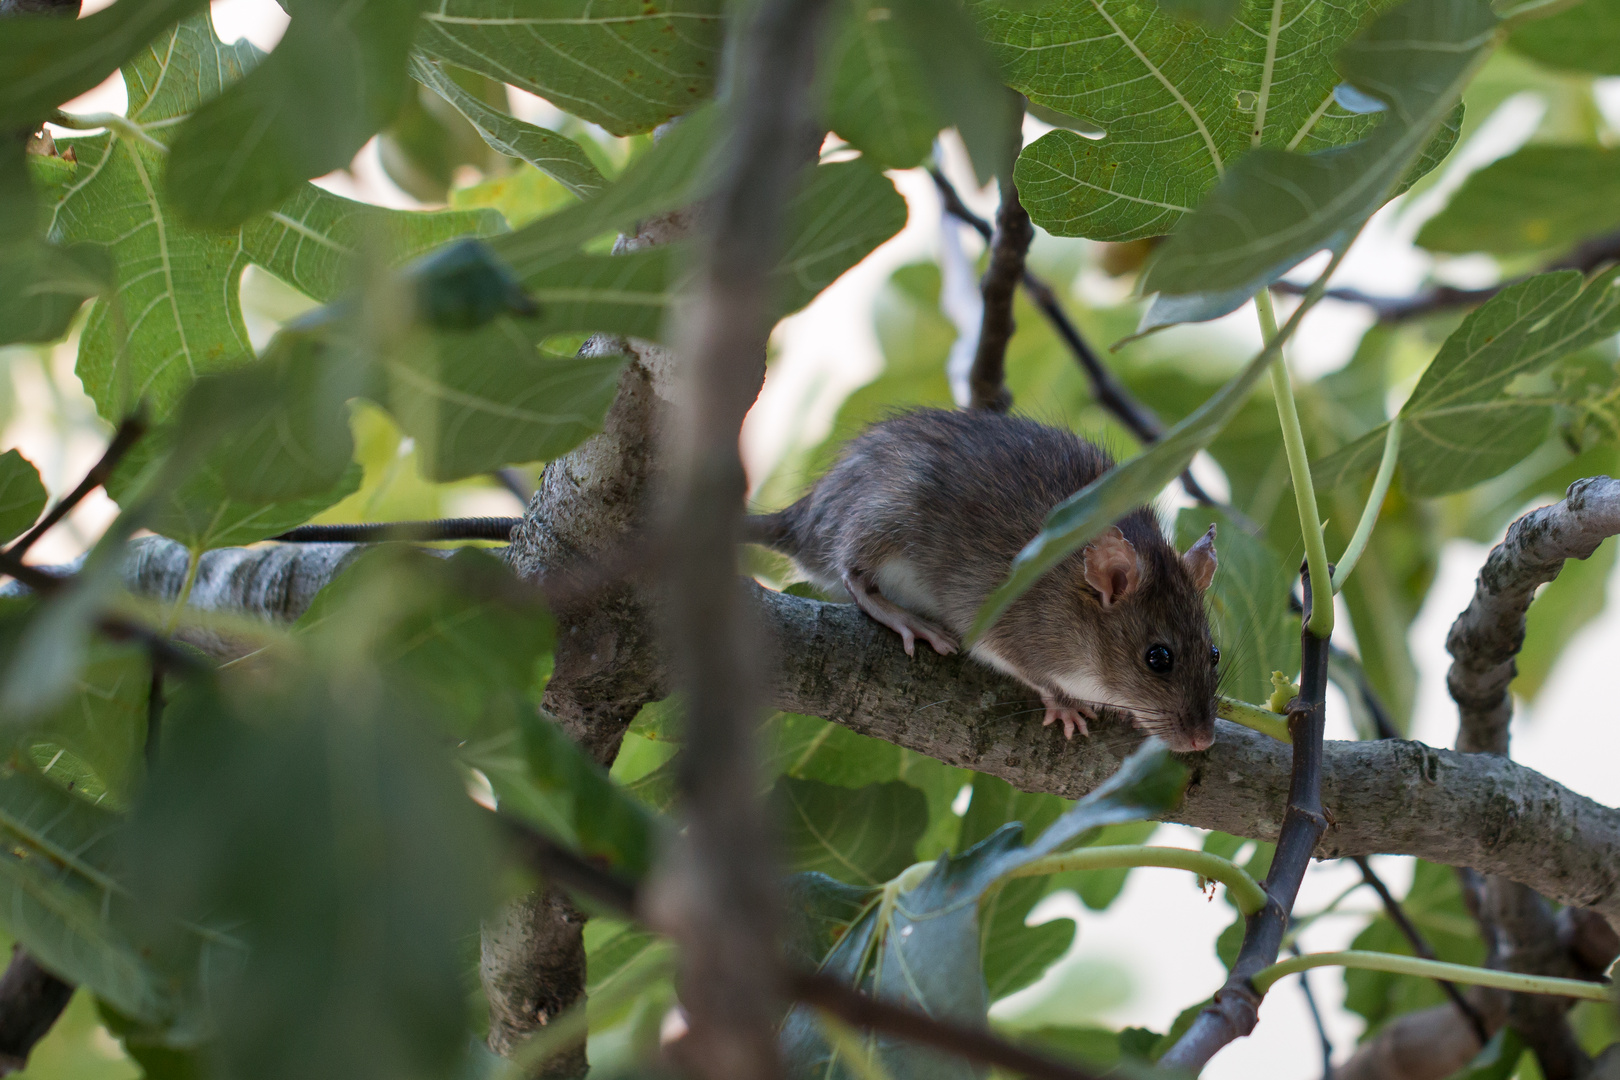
x=1152 y=953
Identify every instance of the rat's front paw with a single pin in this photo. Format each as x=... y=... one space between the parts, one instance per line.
x=1073 y=714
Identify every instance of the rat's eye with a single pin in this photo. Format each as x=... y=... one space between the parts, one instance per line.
x=1214 y=656
x=1159 y=659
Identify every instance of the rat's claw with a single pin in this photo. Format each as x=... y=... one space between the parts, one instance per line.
x=1073 y=715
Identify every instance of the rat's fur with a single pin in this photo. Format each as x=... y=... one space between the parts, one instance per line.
x=930 y=507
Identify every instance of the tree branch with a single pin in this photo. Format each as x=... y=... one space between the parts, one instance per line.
x=716 y=893
x=128 y=434
x=1387 y=797
x=31 y=999
x=1489 y=633
x=1586 y=257
x=1483 y=643
x=1236 y=1005
x=1106 y=389
x=1008 y=247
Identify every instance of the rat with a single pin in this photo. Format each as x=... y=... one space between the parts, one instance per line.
x=919 y=521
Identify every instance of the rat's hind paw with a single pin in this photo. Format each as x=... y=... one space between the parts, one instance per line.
x=1073 y=714
x=910 y=627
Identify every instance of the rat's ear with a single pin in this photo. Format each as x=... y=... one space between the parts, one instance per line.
x=1200 y=560
x=1112 y=567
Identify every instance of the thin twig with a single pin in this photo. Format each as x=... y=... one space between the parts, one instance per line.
x=1106 y=389
x=1008 y=247
x=1316 y=1018
x=859 y=1010
x=515 y=482
x=128 y=434
x=1586 y=257
x=1420 y=946
x=1235 y=1009
x=31 y=999
x=377 y=532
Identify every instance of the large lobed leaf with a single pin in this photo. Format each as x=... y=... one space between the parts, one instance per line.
x=628 y=65
x=1179 y=104
x=1466 y=420
x=1538 y=198
x=334 y=79
x=1273 y=208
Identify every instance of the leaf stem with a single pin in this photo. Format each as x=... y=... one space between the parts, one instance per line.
x=1244 y=891
x=1256 y=717
x=122 y=126
x=1375 y=503
x=1434 y=969
x=1299 y=467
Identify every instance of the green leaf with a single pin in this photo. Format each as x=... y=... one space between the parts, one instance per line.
x=965 y=81
x=1214 y=15
x=1273 y=207
x=1538 y=198
x=57 y=889
x=627 y=65
x=864 y=836
x=321 y=824
x=839 y=216
x=1180 y=105
x=1496 y=1060
x=1247 y=603
x=877 y=96
x=43 y=286
x=1566 y=605
x=336 y=77
x=1079 y=519
x=1585 y=37
x=102 y=724
x=480 y=400
x=556 y=155
x=453 y=630
x=607 y=824
x=22 y=495
x=49 y=60
x=1465 y=422
x=671 y=174
x=923 y=949
x=810 y=748
x=177 y=287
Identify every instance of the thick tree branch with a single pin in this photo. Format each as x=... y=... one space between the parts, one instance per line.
x=1008 y=247
x=1490 y=631
x=1387 y=797
x=1483 y=643
x=1390 y=796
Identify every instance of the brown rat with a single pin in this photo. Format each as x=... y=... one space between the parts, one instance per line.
x=919 y=521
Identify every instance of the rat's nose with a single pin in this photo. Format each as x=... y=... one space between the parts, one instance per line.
x=1200 y=740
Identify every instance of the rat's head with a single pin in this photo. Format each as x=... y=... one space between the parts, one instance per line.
x=1155 y=656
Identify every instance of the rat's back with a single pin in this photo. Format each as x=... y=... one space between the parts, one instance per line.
x=934 y=505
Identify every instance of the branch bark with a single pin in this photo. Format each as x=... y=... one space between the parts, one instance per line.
x=1483 y=643
x=1008 y=247
x=1387 y=797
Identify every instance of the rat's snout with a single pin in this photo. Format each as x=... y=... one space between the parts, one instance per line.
x=1189 y=738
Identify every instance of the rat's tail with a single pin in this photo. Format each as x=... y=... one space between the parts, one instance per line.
x=774 y=531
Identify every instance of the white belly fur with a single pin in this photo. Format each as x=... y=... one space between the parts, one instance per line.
x=1081 y=683
x=899 y=581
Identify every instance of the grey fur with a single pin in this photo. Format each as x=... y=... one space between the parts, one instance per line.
x=932 y=506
